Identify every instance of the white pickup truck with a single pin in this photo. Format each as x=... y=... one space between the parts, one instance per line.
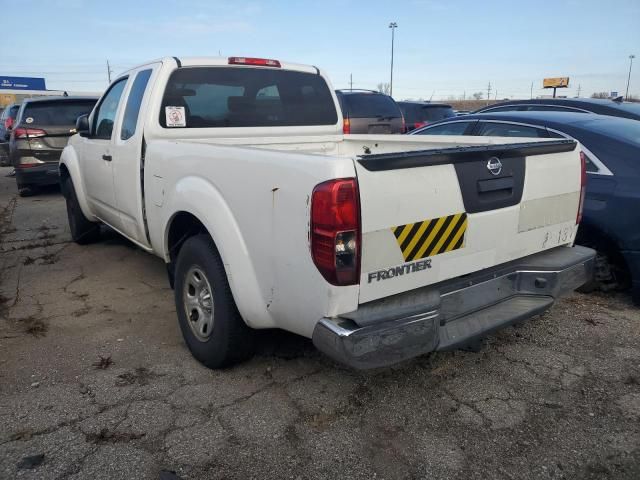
x=236 y=172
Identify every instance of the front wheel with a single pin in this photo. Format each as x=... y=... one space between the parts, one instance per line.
x=82 y=230
x=209 y=319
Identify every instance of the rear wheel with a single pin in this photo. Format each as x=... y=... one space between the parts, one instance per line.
x=610 y=271
x=209 y=319
x=82 y=230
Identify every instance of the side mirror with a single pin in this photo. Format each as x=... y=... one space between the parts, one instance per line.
x=82 y=125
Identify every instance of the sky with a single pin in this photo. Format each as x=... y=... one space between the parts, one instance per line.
x=442 y=48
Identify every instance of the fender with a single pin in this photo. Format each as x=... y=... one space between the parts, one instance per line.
x=69 y=158
x=203 y=200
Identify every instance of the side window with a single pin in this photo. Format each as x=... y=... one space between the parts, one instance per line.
x=491 y=129
x=106 y=112
x=550 y=108
x=591 y=167
x=506 y=108
x=453 y=128
x=133 y=104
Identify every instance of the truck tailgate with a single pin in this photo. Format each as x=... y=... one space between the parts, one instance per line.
x=432 y=215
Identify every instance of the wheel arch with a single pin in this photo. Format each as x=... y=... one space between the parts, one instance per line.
x=69 y=168
x=184 y=223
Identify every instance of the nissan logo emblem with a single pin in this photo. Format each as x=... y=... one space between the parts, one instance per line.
x=494 y=165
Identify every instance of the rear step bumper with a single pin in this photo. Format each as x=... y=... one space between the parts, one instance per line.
x=452 y=313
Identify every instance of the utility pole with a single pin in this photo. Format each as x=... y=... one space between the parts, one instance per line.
x=631 y=57
x=392 y=26
x=351 y=82
x=489 y=93
x=531 y=90
x=496 y=94
x=109 y=72
x=579 y=90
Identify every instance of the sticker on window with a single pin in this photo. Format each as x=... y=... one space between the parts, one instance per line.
x=175 y=116
x=29 y=120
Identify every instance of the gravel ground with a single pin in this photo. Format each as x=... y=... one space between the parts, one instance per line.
x=95 y=382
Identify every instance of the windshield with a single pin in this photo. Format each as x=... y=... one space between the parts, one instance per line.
x=371 y=105
x=622 y=129
x=201 y=97
x=56 y=113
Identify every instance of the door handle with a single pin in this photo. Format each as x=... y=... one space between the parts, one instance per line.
x=107 y=158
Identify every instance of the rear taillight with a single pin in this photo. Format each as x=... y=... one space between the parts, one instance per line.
x=28 y=133
x=419 y=124
x=346 y=126
x=335 y=231
x=8 y=123
x=256 y=62
x=583 y=185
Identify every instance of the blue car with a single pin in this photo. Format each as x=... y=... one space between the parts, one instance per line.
x=611 y=220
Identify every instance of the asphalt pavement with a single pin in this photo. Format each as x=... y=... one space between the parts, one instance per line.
x=96 y=382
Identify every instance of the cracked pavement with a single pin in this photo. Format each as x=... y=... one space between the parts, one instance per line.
x=95 y=382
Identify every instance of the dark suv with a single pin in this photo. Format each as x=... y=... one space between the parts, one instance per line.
x=368 y=111
x=419 y=114
x=41 y=131
x=7 y=119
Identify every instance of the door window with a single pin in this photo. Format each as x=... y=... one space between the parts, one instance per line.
x=453 y=128
x=134 y=102
x=494 y=129
x=105 y=114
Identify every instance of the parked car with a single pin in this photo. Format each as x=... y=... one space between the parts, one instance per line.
x=368 y=111
x=7 y=119
x=42 y=128
x=615 y=108
x=611 y=146
x=419 y=114
x=268 y=217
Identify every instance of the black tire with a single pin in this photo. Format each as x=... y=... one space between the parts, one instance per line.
x=635 y=296
x=229 y=340
x=82 y=230
x=610 y=273
x=26 y=190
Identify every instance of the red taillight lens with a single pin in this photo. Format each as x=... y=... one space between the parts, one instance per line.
x=419 y=124
x=28 y=133
x=346 y=126
x=256 y=62
x=8 y=123
x=335 y=231
x=583 y=185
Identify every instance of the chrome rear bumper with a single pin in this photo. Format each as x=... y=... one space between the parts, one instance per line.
x=450 y=314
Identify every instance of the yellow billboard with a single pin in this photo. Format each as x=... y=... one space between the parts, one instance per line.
x=557 y=82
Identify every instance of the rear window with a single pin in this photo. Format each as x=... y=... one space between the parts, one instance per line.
x=56 y=113
x=370 y=105
x=623 y=129
x=202 y=97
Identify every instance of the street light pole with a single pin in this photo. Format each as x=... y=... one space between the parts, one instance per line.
x=631 y=57
x=392 y=26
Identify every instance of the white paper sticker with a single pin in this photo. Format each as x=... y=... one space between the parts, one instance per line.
x=29 y=120
x=175 y=116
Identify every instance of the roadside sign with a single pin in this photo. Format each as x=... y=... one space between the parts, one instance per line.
x=556 y=82
x=22 y=83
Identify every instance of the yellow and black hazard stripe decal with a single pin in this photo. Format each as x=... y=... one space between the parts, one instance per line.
x=431 y=237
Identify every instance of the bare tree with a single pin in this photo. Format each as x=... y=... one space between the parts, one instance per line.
x=384 y=87
x=478 y=95
x=600 y=95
